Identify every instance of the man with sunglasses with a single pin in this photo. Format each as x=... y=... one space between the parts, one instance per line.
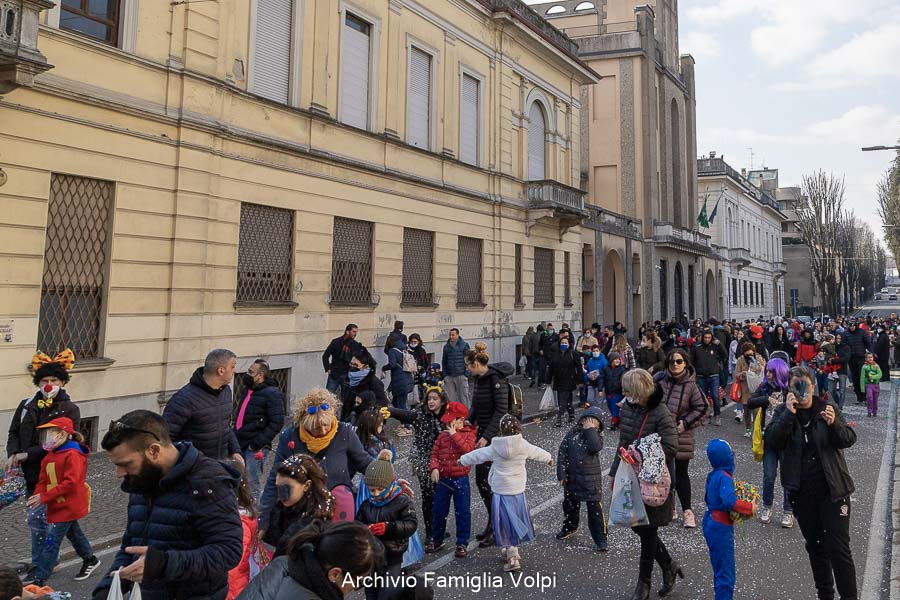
x=183 y=532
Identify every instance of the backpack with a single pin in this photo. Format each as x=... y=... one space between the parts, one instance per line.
x=409 y=362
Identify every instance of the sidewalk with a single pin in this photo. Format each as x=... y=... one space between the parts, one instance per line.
x=894 y=524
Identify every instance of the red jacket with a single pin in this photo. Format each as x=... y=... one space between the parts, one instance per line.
x=62 y=485
x=447 y=450
x=806 y=352
x=239 y=577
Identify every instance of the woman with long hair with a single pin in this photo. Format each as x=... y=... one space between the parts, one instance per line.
x=626 y=352
x=650 y=355
x=750 y=365
x=371 y=433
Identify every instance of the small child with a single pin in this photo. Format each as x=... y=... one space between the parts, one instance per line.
x=596 y=362
x=580 y=472
x=611 y=384
x=510 y=519
x=433 y=377
x=63 y=489
x=303 y=495
x=390 y=515
x=451 y=480
x=718 y=528
x=239 y=577
x=370 y=431
x=870 y=379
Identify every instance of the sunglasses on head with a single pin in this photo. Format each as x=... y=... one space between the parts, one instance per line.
x=120 y=426
x=314 y=409
x=676 y=361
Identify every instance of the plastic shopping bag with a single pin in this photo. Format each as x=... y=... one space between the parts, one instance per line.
x=626 y=509
x=12 y=487
x=548 y=401
x=523 y=362
x=758 y=445
x=115 y=589
x=414 y=553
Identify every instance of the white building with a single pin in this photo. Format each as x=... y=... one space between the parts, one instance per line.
x=746 y=233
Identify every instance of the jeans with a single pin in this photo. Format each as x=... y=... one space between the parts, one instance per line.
x=37 y=523
x=457 y=388
x=770 y=470
x=872 y=392
x=709 y=385
x=825 y=525
x=333 y=384
x=399 y=400
x=456 y=488
x=821 y=383
x=255 y=471
x=596 y=518
x=50 y=551
x=652 y=548
x=838 y=390
x=682 y=483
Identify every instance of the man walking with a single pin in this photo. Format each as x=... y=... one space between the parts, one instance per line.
x=200 y=412
x=183 y=532
x=707 y=358
x=453 y=363
x=337 y=356
x=259 y=418
x=860 y=343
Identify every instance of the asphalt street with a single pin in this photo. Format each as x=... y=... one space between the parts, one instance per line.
x=771 y=561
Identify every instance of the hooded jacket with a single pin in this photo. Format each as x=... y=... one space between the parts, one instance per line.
x=807 y=348
x=859 y=341
x=508 y=454
x=720 y=482
x=687 y=403
x=453 y=360
x=595 y=364
x=263 y=418
x=400 y=517
x=62 y=484
x=192 y=527
x=578 y=460
x=448 y=449
x=610 y=381
x=707 y=359
x=565 y=370
x=201 y=415
x=302 y=578
x=490 y=399
x=401 y=381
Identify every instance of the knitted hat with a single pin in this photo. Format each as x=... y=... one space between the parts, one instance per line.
x=380 y=474
x=613 y=356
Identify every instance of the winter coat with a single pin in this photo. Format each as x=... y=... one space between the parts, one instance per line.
x=658 y=420
x=447 y=450
x=610 y=381
x=337 y=356
x=549 y=345
x=508 y=455
x=720 y=334
x=740 y=375
x=760 y=399
x=761 y=349
x=490 y=400
x=806 y=350
x=627 y=356
x=882 y=350
x=287 y=579
x=401 y=381
x=283 y=523
x=426 y=428
x=536 y=343
x=62 y=484
x=585 y=343
x=526 y=343
x=707 y=359
x=239 y=577
x=785 y=434
x=25 y=437
x=869 y=374
x=341 y=460
x=565 y=371
x=595 y=364
x=192 y=527
x=370 y=383
x=400 y=517
x=578 y=460
x=263 y=418
x=842 y=358
x=398 y=336
x=201 y=415
x=687 y=403
x=453 y=361
x=421 y=356
x=781 y=344
x=648 y=358
x=859 y=341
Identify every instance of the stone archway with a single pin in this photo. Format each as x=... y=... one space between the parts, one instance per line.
x=710 y=296
x=613 y=288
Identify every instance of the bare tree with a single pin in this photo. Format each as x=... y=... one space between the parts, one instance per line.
x=888 y=195
x=819 y=215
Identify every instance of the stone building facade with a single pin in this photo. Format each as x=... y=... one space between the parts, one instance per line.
x=256 y=175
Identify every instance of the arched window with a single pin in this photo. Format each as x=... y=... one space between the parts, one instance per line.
x=536 y=142
x=555 y=10
x=584 y=6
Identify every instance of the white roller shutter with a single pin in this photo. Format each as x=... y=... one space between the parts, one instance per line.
x=536 y=148
x=272 y=49
x=418 y=101
x=468 y=121
x=355 y=73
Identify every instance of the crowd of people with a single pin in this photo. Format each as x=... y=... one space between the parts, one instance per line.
x=211 y=516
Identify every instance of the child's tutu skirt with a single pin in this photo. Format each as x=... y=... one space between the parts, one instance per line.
x=511 y=520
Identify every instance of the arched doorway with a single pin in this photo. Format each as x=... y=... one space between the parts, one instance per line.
x=679 y=291
x=613 y=288
x=710 y=301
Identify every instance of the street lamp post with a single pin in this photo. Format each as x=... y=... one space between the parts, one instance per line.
x=877 y=148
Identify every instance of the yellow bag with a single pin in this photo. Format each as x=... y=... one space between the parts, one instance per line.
x=758 y=444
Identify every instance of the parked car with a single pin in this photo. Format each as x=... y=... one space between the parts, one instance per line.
x=892 y=298
x=805 y=319
x=884 y=291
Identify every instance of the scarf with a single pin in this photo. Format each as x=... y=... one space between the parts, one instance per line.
x=356 y=377
x=317 y=444
x=387 y=495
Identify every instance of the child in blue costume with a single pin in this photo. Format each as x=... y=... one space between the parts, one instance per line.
x=718 y=527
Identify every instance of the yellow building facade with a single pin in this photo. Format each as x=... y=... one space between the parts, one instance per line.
x=256 y=174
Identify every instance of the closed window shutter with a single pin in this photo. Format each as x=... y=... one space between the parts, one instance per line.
x=418 y=103
x=355 y=73
x=468 y=121
x=272 y=49
x=536 y=137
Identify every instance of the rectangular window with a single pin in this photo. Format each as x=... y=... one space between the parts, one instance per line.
x=355 y=72
x=469 y=271
x=746 y=303
x=265 y=253
x=79 y=214
x=468 y=120
x=691 y=291
x=95 y=19
x=351 y=262
x=282 y=379
x=734 y=292
x=270 y=69
x=567 y=284
x=663 y=289
x=519 y=299
x=418 y=99
x=418 y=252
x=544 y=276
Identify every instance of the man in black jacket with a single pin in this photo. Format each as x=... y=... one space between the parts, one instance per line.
x=259 y=418
x=811 y=435
x=566 y=373
x=200 y=412
x=337 y=356
x=860 y=342
x=183 y=533
x=706 y=358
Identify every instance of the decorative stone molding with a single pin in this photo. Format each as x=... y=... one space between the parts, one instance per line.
x=20 y=59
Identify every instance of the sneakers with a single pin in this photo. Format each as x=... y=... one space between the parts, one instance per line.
x=689 y=521
x=565 y=534
x=512 y=564
x=461 y=552
x=748 y=434
x=87 y=567
x=787 y=521
x=431 y=547
x=28 y=578
x=765 y=514
x=718 y=421
x=738 y=416
x=602 y=547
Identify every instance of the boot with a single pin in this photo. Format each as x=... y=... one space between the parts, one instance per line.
x=487 y=531
x=488 y=541
x=670 y=576
x=641 y=590
x=559 y=420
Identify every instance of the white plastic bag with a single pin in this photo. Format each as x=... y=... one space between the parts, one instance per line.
x=115 y=589
x=626 y=509
x=523 y=361
x=548 y=401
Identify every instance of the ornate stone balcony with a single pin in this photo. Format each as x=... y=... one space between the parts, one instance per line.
x=20 y=59
x=551 y=201
x=739 y=257
x=668 y=235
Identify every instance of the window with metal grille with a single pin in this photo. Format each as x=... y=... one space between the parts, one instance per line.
x=567 y=275
x=281 y=376
x=418 y=99
x=355 y=72
x=469 y=271
x=663 y=289
x=97 y=20
x=519 y=299
x=265 y=248
x=270 y=69
x=544 y=276
x=75 y=265
x=418 y=252
x=351 y=262
x=88 y=428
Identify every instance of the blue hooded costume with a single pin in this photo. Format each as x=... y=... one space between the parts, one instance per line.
x=717 y=524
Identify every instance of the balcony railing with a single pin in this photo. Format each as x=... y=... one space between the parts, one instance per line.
x=20 y=59
x=547 y=193
x=739 y=255
x=599 y=29
x=780 y=266
x=535 y=21
x=614 y=223
x=667 y=234
x=718 y=166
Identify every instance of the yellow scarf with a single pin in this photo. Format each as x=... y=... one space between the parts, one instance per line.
x=317 y=444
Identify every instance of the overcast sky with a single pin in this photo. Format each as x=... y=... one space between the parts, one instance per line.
x=804 y=83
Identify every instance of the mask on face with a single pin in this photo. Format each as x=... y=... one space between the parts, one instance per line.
x=414 y=344
x=356 y=377
x=284 y=492
x=595 y=354
x=51 y=440
x=49 y=391
x=146 y=482
x=248 y=380
x=563 y=347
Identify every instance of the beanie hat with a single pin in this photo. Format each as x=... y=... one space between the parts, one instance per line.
x=380 y=474
x=613 y=356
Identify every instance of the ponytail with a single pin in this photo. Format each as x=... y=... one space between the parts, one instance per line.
x=478 y=355
x=348 y=545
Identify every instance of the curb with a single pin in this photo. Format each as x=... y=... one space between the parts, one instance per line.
x=894 y=567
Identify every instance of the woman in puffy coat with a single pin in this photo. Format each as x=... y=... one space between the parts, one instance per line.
x=644 y=413
x=806 y=349
x=650 y=355
x=401 y=381
x=749 y=363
